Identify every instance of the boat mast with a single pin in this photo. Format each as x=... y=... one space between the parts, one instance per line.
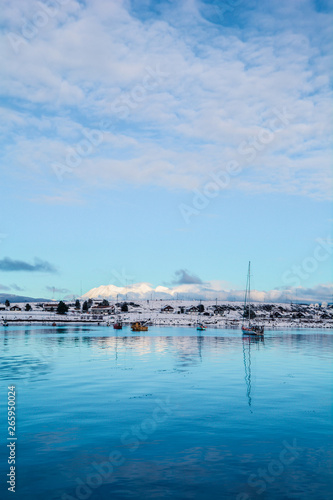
x=245 y=298
x=249 y=293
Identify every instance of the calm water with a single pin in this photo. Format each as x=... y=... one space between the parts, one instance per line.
x=168 y=413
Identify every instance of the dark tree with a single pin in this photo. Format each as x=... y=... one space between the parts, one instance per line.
x=77 y=304
x=201 y=308
x=124 y=307
x=7 y=303
x=90 y=303
x=62 y=308
x=85 y=306
x=28 y=307
x=105 y=303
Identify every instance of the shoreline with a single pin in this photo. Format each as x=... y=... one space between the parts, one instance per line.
x=219 y=325
x=165 y=313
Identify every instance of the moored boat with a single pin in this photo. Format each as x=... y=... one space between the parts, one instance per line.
x=139 y=326
x=201 y=327
x=253 y=330
x=118 y=326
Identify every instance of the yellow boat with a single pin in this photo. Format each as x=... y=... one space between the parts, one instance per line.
x=138 y=326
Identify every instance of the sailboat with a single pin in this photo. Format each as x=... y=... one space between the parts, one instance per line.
x=118 y=325
x=249 y=328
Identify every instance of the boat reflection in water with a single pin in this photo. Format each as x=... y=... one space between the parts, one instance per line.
x=247 y=341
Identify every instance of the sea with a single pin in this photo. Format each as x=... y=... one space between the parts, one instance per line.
x=172 y=413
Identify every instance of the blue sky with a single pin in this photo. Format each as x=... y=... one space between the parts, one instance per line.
x=141 y=138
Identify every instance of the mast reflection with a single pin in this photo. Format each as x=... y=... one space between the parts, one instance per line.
x=247 y=341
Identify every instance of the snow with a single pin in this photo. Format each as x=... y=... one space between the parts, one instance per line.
x=205 y=291
x=228 y=315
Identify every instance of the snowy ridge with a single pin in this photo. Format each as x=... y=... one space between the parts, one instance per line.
x=207 y=291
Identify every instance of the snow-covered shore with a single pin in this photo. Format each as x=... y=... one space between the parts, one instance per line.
x=176 y=313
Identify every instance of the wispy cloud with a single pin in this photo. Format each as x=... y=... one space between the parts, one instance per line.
x=4 y=287
x=184 y=277
x=56 y=290
x=10 y=265
x=58 y=199
x=17 y=288
x=13 y=286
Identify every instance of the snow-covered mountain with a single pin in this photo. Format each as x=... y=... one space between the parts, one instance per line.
x=142 y=291
x=207 y=291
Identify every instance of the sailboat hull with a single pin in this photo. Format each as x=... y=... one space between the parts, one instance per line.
x=253 y=331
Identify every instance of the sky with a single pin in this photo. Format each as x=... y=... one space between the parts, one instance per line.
x=166 y=143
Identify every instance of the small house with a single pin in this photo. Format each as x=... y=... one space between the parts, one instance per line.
x=50 y=307
x=167 y=309
x=192 y=309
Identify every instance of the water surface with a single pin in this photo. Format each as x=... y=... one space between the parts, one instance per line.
x=180 y=415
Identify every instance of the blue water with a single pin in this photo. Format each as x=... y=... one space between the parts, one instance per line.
x=167 y=414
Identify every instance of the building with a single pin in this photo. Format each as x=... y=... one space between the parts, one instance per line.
x=167 y=309
x=192 y=309
x=102 y=310
x=50 y=307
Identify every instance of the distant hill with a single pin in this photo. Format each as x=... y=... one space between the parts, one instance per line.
x=19 y=298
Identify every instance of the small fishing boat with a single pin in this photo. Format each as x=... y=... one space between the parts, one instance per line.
x=201 y=327
x=54 y=324
x=118 y=325
x=139 y=326
x=5 y=323
x=249 y=328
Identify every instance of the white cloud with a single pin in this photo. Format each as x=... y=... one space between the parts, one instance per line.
x=219 y=89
